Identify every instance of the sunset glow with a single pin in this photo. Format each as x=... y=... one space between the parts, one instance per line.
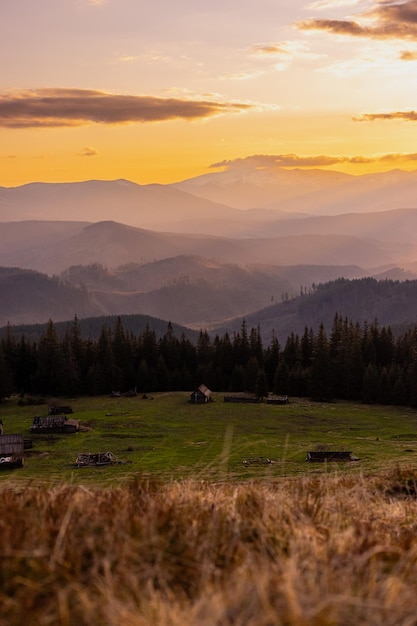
x=159 y=92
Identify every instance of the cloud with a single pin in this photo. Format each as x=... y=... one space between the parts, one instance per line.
x=386 y=20
x=89 y=152
x=408 y=55
x=268 y=161
x=128 y=58
x=279 y=56
x=268 y=48
x=250 y=75
x=407 y=116
x=332 y=4
x=149 y=57
x=49 y=108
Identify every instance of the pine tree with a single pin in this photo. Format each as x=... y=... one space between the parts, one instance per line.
x=252 y=373
x=50 y=374
x=320 y=373
x=370 y=385
x=6 y=383
x=261 y=388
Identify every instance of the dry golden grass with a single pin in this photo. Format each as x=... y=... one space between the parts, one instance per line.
x=326 y=551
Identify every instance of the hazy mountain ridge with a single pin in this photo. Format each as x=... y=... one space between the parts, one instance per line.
x=392 y=303
x=233 y=202
x=113 y=244
x=238 y=262
x=144 y=206
x=187 y=290
x=317 y=192
x=29 y=297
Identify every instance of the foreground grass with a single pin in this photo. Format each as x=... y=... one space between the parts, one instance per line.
x=319 y=551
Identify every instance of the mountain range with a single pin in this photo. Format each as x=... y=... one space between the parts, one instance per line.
x=203 y=251
x=53 y=247
x=239 y=202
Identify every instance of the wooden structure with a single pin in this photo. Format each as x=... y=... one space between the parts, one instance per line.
x=132 y=393
x=201 y=395
x=259 y=460
x=54 y=424
x=277 y=400
x=11 y=451
x=329 y=456
x=99 y=459
x=242 y=399
x=60 y=410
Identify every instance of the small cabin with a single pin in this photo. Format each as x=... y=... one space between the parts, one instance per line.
x=329 y=456
x=11 y=451
x=242 y=399
x=201 y=395
x=60 y=410
x=54 y=424
x=277 y=400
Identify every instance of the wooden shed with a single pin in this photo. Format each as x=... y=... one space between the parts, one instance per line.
x=329 y=456
x=54 y=424
x=201 y=395
x=60 y=409
x=11 y=451
x=277 y=400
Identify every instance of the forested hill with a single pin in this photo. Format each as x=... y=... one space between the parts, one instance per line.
x=91 y=327
x=391 y=303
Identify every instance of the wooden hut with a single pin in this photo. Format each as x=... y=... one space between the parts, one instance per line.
x=54 y=424
x=11 y=451
x=201 y=395
x=60 y=409
x=277 y=400
x=329 y=456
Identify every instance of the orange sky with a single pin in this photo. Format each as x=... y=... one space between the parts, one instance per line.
x=159 y=93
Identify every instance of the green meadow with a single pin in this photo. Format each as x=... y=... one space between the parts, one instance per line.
x=167 y=437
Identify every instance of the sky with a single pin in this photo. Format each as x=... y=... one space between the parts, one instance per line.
x=160 y=92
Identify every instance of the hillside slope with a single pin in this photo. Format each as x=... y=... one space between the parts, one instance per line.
x=113 y=244
x=186 y=290
x=392 y=303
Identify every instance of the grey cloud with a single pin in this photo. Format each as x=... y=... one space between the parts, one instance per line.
x=407 y=55
x=268 y=48
x=265 y=161
x=77 y=107
x=88 y=152
x=408 y=116
x=391 y=20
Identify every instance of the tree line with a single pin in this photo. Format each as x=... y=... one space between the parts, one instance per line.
x=351 y=362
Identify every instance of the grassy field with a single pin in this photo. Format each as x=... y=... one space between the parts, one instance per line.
x=167 y=437
x=187 y=535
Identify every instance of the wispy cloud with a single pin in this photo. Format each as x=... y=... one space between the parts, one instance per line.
x=267 y=161
x=385 y=20
x=49 y=108
x=149 y=57
x=332 y=4
x=88 y=152
x=407 y=116
x=408 y=55
x=268 y=48
x=249 y=75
